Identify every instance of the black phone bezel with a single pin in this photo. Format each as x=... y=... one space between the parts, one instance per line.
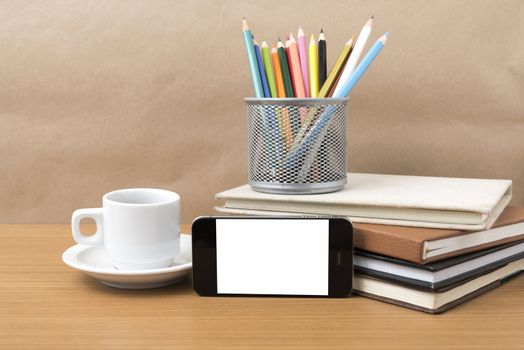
x=340 y=255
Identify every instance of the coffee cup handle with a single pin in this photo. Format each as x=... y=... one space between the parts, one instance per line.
x=93 y=213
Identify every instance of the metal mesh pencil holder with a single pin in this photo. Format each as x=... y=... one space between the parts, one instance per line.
x=297 y=146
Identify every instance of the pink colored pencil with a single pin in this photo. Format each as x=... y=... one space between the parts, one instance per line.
x=296 y=73
x=304 y=63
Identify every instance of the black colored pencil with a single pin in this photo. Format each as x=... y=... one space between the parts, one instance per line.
x=322 y=59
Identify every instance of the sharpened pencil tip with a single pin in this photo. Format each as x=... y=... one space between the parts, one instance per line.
x=373 y=17
x=245 y=27
x=321 y=30
x=384 y=38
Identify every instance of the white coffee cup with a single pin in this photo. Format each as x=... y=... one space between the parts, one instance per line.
x=139 y=227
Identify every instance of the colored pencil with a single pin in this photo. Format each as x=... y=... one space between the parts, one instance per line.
x=304 y=61
x=284 y=117
x=284 y=68
x=281 y=92
x=296 y=72
x=362 y=67
x=286 y=126
x=355 y=55
x=269 y=69
x=326 y=89
x=337 y=68
x=286 y=76
x=290 y=66
x=261 y=69
x=253 y=65
x=322 y=59
x=333 y=87
x=313 y=67
x=315 y=135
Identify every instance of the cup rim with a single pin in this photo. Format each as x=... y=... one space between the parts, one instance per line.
x=175 y=197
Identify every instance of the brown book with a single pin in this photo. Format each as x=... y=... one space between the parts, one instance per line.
x=424 y=245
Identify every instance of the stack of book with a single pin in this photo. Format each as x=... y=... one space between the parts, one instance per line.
x=426 y=243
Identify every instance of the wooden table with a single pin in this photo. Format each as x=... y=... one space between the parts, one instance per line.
x=46 y=304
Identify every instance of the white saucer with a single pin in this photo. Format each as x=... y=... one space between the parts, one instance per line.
x=96 y=263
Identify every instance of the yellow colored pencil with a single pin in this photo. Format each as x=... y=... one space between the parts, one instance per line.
x=337 y=69
x=313 y=67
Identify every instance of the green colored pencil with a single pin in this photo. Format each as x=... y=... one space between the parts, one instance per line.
x=284 y=66
x=269 y=69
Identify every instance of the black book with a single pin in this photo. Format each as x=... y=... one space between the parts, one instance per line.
x=439 y=276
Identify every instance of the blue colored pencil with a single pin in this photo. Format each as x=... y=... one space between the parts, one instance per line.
x=261 y=69
x=362 y=67
x=253 y=65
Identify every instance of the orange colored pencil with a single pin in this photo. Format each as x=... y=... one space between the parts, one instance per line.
x=281 y=92
x=284 y=122
x=298 y=82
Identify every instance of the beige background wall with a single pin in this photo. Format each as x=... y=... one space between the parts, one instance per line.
x=99 y=95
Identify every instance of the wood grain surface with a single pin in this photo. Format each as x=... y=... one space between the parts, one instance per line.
x=46 y=304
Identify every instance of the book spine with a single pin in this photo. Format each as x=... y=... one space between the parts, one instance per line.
x=386 y=244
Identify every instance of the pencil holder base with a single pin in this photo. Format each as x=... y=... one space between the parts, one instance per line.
x=303 y=188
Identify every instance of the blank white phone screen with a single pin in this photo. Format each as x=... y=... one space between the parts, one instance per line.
x=272 y=256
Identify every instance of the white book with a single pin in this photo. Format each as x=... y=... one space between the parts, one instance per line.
x=420 y=201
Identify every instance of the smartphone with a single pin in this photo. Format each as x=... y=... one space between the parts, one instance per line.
x=272 y=256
